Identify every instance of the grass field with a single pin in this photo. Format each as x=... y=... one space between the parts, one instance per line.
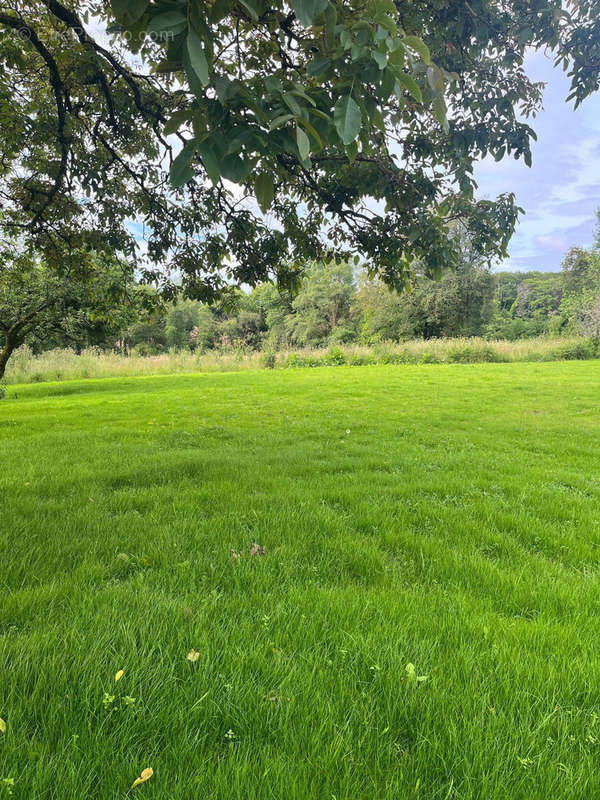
x=444 y=517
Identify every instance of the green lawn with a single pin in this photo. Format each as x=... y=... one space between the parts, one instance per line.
x=440 y=516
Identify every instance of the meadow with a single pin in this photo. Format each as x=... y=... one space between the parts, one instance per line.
x=66 y=364
x=422 y=622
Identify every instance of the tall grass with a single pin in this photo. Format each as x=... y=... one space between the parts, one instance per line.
x=58 y=365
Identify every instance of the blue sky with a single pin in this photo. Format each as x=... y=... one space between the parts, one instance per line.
x=560 y=193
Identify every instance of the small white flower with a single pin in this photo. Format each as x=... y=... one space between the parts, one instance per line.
x=347 y=431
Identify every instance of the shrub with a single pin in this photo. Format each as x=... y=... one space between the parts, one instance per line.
x=268 y=360
x=145 y=349
x=471 y=354
x=294 y=360
x=579 y=350
x=335 y=357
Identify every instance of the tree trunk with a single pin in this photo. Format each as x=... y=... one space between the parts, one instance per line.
x=10 y=346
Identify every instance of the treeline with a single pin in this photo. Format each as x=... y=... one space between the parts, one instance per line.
x=336 y=304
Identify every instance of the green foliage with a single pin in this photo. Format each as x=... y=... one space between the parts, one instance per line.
x=322 y=304
x=89 y=306
x=580 y=305
x=356 y=126
x=526 y=304
x=268 y=360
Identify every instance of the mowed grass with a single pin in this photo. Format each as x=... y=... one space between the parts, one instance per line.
x=440 y=516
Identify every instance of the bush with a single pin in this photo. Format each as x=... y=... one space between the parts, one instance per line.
x=268 y=360
x=575 y=351
x=145 y=349
x=471 y=354
x=335 y=357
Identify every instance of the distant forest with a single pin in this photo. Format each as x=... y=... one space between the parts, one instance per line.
x=341 y=304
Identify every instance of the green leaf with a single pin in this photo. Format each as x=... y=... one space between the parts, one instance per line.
x=310 y=129
x=197 y=58
x=279 y=121
x=347 y=119
x=291 y=102
x=176 y=120
x=264 y=189
x=439 y=111
x=233 y=168
x=318 y=66
x=181 y=172
x=436 y=78
x=418 y=45
x=225 y=88
x=251 y=8
x=346 y=39
x=210 y=161
x=379 y=58
x=411 y=86
x=303 y=143
x=386 y=87
x=129 y=11
x=352 y=151
x=220 y=9
x=169 y=22
x=307 y=10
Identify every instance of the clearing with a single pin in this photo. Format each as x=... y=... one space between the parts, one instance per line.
x=444 y=517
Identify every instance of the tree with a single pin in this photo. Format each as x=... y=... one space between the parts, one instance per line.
x=581 y=299
x=265 y=94
x=459 y=303
x=37 y=304
x=321 y=308
x=260 y=99
x=181 y=323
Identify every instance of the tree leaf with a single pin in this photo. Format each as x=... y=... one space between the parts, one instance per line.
x=193 y=656
x=251 y=8
x=169 y=22
x=411 y=86
x=146 y=774
x=179 y=117
x=233 y=168
x=418 y=45
x=439 y=111
x=307 y=10
x=181 y=172
x=310 y=129
x=2 y=726
x=379 y=58
x=210 y=161
x=119 y=675
x=264 y=189
x=279 y=121
x=129 y=11
x=318 y=66
x=197 y=58
x=436 y=78
x=347 y=119
x=303 y=143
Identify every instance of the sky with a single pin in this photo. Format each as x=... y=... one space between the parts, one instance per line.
x=560 y=193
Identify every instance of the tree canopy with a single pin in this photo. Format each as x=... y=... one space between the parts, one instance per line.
x=245 y=137
x=36 y=304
